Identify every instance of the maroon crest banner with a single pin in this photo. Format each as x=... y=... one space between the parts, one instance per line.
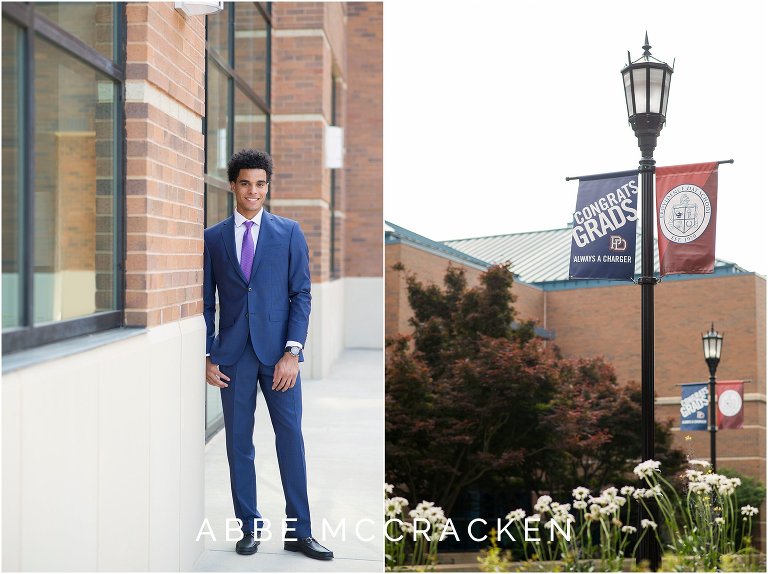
x=730 y=404
x=686 y=209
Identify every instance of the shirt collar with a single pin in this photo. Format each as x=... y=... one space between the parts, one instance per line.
x=239 y=219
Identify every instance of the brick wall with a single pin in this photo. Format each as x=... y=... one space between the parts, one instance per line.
x=428 y=268
x=606 y=321
x=302 y=60
x=165 y=91
x=364 y=140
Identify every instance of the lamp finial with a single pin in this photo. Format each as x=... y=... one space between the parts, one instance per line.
x=647 y=47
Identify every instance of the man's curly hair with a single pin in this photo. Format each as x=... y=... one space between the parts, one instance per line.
x=249 y=159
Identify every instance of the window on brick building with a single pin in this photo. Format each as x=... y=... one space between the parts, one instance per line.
x=236 y=115
x=62 y=171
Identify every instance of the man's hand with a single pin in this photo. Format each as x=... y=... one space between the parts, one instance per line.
x=213 y=376
x=286 y=371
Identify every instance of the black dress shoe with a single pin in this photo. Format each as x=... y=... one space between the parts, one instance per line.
x=309 y=547
x=247 y=544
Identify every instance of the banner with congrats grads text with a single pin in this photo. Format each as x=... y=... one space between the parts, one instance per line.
x=604 y=227
x=694 y=407
x=686 y=206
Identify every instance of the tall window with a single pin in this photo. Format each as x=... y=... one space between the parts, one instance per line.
x=62 y=171
x=237 y=113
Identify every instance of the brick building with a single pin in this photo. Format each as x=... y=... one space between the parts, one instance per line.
x=118 y=120
x=588 y=318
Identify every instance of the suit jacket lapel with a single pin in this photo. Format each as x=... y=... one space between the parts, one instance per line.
x=265 y=236
x=228 y=235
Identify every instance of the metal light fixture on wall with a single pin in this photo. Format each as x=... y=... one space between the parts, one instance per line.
x=199 y=7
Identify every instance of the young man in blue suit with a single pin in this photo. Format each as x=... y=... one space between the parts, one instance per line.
x=259 y=263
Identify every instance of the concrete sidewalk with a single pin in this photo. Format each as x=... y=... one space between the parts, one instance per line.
x=343 y=425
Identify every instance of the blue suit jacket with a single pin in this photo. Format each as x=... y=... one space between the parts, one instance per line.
x=273 y=304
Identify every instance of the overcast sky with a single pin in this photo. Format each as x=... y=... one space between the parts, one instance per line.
x=490 y=105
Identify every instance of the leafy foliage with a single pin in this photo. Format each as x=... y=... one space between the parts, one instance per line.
x=471 y=399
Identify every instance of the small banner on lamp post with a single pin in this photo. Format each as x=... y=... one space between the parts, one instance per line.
x=686 y=206
x=604 y=227
x=730 y=404
x=694 y=406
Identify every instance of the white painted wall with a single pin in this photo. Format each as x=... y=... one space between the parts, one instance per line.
x=325 y=339
x=364 y=311
x=103 y=456
x=346 y=313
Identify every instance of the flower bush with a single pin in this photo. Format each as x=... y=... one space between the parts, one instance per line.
x=404 y=545
x=697 y=529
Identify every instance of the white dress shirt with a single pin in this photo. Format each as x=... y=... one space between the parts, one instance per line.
x=240 y=233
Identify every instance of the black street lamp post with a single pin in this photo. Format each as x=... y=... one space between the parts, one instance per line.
x=646 y=87
x=713 y=346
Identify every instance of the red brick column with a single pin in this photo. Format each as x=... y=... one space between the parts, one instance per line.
x=308 y=50
x=364 y=141
x=165 y=95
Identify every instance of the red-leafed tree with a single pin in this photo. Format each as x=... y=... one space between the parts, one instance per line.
x=471 y=399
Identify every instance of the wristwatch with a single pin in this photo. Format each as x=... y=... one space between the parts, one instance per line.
x=295 y=350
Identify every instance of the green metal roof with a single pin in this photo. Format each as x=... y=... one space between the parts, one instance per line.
x=542 y=257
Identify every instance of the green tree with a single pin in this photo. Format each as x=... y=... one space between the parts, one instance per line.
x=470 y=399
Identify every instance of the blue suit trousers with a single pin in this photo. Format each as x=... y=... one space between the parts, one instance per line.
x=239 y=404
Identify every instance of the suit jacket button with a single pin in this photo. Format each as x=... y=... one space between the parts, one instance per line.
x=250 y=288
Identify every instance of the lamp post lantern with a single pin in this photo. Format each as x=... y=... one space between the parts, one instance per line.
x=646 y=89
x=713 y=346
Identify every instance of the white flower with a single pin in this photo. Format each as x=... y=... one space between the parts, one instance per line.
x=621 y=501
x=639 y=493
x=748 y=510
x=388 y=488
x=394 y=506
x=646 y=468
x=699 y=487
x=601 y=500
x=616 y=522
x=580 y=504
x=653 y=492
x=610 y=492
x=736 y=481
x=629 y=529
x=516 y=515
x=549 y=524
x=726 y=486
x=611 y=508
x=645 y=523
x=693 y=474
x=534 y=517
x=580 y=493
x=699 y=462
x=627 y=490
x=542 y=504
x=712 y=479
x=719 y=520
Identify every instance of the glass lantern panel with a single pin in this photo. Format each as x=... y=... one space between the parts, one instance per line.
x=640 y=83
x=667 y=80
x=657 y=78
x=628 y=92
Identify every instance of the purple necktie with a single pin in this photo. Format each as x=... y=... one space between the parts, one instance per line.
x=246 y=254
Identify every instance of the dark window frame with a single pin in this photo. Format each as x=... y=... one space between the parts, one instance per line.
x=29 y=335
x=227 y=67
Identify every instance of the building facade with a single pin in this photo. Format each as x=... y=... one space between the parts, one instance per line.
x=588 y=318
x=118 y=120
